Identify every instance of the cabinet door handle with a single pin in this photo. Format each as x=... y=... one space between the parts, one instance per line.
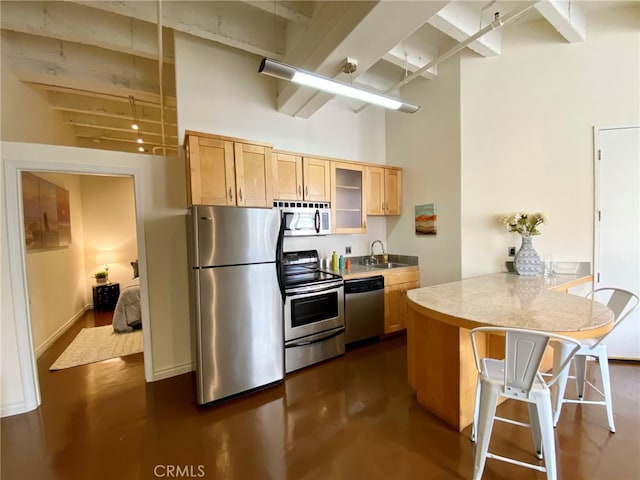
x=306 y=191
x=230 y=194
x=299 y=190
x=240 y=194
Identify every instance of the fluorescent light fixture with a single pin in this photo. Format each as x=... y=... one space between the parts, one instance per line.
x=302 y=77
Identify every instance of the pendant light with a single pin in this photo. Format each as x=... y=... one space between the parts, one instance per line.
x=301 y=77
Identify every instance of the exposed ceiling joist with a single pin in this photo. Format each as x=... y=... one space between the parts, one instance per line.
x=567 y=18
x=74 y=23
x=411 y=55
x=350 y=36
x=235 y=24
x=298 y=12
x=460 y=20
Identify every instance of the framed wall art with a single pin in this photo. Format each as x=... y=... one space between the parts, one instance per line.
x=425 y=219
x=47 y=219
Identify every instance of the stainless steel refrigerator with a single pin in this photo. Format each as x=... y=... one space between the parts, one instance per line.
x=236 y=300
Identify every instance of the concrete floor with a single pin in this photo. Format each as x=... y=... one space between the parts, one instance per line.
x=353 y=417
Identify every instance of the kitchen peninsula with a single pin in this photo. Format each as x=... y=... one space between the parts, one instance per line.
x=441 y=368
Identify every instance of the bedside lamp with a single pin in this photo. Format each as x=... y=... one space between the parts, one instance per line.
x=105 y=257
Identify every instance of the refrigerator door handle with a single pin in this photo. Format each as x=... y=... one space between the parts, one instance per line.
x=279 y=255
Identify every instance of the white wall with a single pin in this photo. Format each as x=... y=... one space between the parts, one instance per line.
x=220 y=91
x=56 y=276
x=527 y=133
x=109 y=223
x=426 y=145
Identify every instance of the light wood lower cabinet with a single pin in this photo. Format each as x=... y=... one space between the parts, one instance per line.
x=396 y=309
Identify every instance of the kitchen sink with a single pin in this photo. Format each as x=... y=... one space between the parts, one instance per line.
x=389 y=265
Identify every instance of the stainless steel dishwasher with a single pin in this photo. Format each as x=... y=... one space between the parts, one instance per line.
x=364 y=308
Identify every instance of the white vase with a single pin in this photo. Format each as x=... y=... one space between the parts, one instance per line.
x=527 y=260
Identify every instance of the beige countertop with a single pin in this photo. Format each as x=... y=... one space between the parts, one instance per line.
x=360 y=270
x=511 y=300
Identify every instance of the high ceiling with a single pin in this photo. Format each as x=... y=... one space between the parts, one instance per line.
x=98 y=63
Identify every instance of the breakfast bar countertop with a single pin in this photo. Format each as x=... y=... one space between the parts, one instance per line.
x=509 y=299
x=440 y=361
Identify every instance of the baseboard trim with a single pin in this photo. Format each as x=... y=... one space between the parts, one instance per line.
x=58 y=333
x=173 y=371
x=16 y=409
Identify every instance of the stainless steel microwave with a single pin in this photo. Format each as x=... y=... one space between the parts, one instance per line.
x=304 y=218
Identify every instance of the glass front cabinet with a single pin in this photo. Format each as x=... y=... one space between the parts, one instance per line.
x=348 y=201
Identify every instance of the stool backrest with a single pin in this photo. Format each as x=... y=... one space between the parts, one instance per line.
x=621 y=302
x=524 y=351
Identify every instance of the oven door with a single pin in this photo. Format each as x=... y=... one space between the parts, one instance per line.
x=313 y=309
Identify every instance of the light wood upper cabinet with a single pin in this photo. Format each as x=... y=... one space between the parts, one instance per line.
x=287 y=173
x=210 y=171
x=298 y=178
x=254 y=176
x=224 y=171
x=317 y=179
x=348 y=197
x=384 y=186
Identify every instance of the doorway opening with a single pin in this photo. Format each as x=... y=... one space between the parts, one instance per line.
x=90 y=230
x=71 y=161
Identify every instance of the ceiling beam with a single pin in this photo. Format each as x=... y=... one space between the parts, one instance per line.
x=76 y=23
x=412 y=55
x=108 y=108
x=234 y=24
x=340 y=30
x=566 y=17
x=460 y=20
x=63 y=63
x=150 y=100
x=285 y=10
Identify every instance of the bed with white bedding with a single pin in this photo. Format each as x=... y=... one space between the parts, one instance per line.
x=127 y=316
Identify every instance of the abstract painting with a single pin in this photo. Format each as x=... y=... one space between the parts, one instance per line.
x=47 y=221
x=426 y=219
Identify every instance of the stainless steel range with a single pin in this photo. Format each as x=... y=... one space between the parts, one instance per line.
x=313 y=311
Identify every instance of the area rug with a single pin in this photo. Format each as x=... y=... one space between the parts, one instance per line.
x=97 y=344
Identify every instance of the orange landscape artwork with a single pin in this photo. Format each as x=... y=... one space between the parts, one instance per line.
x=426 y=219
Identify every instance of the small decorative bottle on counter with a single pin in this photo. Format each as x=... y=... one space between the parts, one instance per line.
x=341 y=262
x=334 y=261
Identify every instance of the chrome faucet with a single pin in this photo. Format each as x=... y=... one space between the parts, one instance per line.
x=384 y=252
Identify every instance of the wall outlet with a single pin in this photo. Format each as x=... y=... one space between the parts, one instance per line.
x=347 y=249
x=512 y=251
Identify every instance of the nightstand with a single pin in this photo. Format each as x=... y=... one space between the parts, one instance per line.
x=105 y=296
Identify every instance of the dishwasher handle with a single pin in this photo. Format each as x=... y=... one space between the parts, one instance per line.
x=361 y=285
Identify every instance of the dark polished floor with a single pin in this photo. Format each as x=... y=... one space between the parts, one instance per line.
x=353 y=417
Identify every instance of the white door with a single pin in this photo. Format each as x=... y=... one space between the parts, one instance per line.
x=617 y=242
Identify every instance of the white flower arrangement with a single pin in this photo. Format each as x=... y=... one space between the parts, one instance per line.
x=524 y=223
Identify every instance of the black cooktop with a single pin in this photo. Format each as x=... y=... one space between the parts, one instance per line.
x=301 y=268
x=308 y=278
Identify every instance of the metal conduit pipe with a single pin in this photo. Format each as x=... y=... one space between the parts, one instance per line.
x=160 y=66
x=499 y=22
